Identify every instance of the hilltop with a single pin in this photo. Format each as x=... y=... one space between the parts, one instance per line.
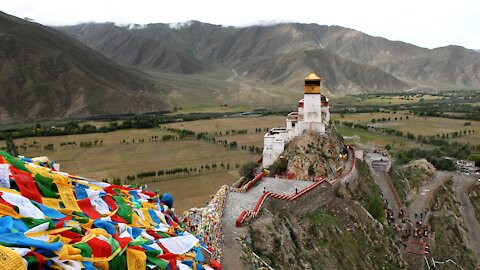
x=313 y=154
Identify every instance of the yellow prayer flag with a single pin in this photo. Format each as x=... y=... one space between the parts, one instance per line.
x=136 y=259
x=11 y=260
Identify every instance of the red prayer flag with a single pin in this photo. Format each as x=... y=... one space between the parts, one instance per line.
x=100 y=248
x=25 y=183
x=87 y=208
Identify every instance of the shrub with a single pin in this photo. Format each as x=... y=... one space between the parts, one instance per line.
x=247 y=170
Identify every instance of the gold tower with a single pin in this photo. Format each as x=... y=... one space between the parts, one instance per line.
x=312 y=84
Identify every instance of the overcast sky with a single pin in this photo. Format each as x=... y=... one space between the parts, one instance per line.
x=426 y=23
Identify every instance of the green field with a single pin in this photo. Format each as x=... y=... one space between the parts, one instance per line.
x=417 y=125
x=224 y=124
x=121 y=153
x=382 y=100
x=380 y=140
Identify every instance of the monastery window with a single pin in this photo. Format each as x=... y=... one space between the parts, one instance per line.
x=312 y=83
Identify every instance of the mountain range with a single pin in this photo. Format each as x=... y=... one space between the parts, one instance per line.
x=103 y=68
x=349 y=60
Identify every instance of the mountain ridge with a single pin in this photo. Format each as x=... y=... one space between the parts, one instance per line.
x=110 y=69
x=246 y=48
x=46 y=74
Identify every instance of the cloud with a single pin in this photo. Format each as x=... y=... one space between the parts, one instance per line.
x=425 y=23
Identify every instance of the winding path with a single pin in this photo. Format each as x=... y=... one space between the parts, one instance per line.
x=462 y=184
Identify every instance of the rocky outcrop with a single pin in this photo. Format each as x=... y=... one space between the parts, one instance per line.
x=449 y=237
x=313 y=154
x=407 y=178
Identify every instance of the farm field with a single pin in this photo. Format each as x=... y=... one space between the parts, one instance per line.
x=367 y=117
x=380 y=140
x=382 y=100
x=224 y=124
x=255 y=139
x=430 y=125
x=471 y=139
x=414 y=124
x=116 y=159
x=121 y=160
x=110 y=138
x=195 y=191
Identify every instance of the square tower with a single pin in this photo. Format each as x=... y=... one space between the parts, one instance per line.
x=312 y=100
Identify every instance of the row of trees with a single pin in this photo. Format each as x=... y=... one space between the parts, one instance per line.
x=120 y=122
x=434 y=156
x=50 y=146
x=179 y=172
x=385 y=119
x=88 y=144
x=71 y=144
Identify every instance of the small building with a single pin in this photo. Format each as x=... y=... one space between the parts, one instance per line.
x=465 y=163
x=313 y=114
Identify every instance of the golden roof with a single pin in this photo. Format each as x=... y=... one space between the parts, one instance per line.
x=312 y=77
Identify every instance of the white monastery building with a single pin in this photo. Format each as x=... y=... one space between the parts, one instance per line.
x=313 y=114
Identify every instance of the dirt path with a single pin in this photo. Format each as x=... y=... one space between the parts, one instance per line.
x=462 y=183
x=381 y=178
x=425 y=194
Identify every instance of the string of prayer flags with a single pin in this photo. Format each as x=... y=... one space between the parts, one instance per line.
x=54 y=220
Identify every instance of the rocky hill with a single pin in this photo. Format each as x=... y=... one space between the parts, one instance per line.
x=409 y=177
x=46 y=74
x=351 y=61
x=337 y=232
x=313 y=154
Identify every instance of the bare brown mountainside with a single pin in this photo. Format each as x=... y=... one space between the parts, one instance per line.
x=276 y=54
x=46 y=74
